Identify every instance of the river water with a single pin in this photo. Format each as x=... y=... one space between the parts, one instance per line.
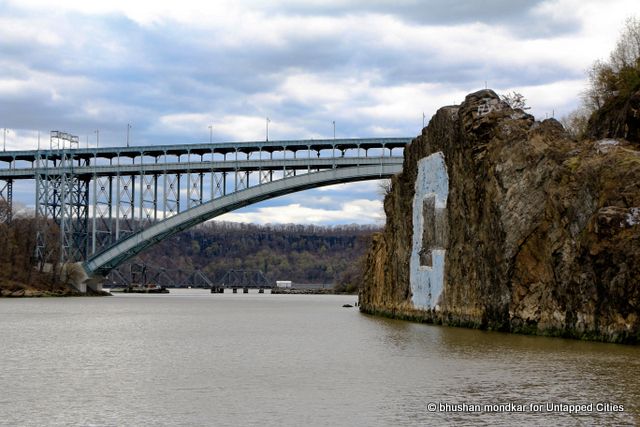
x=192 y=358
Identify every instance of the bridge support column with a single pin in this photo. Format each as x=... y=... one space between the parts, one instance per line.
x=61 y=196
x=73 y=273
x=6 y=197
x=102 y=225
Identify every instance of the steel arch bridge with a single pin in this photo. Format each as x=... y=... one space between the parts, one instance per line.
x=111 y=203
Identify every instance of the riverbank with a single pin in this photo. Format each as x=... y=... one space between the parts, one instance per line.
x=294 y=291
x=18 y=290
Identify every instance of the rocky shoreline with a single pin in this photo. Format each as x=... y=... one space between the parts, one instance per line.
x=30 y=292
x=294 y=291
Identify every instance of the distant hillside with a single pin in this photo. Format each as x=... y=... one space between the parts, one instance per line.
x=301 y=253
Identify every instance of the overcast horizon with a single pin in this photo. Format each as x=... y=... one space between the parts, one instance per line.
x=172 y=70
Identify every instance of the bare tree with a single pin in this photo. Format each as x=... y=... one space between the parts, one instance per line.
x=627 y=51
x=576 y=122
x=5 y=211
x=384 y=187
x=515 y=100
x=620 y=74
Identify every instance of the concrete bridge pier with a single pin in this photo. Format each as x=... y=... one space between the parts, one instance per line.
x=74 y=274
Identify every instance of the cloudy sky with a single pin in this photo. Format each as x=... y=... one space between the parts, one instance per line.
x=172 y=69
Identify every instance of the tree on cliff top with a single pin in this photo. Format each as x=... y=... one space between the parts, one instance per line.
x=614 y=79
x=620 y=75
x=515 y=100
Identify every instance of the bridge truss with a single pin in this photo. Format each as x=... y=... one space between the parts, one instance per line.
x=101 y=198
x=62 y=196
x=6 y=201
x=244 y=279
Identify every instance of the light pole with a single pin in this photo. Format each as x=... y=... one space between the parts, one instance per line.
x=128 y=129
x=210 y=134
x=268 y=121
x=4 y=140
x=97 y=132
x=334 y=129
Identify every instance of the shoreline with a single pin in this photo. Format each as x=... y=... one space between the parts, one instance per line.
x=294 y=291
x=430 y=318
x=30 y=292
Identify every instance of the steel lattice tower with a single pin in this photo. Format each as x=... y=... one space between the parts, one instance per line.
x=61 y=197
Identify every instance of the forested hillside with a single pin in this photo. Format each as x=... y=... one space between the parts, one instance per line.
x=301 y=253
x=304 y=254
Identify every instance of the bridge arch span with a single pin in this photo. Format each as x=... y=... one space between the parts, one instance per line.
x=101 y=263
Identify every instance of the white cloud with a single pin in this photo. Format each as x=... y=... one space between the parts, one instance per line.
x=16 y=31
x=173 y=69
x=360 y=211
x=366 y=187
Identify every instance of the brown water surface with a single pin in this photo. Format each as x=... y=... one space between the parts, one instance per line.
x=195 y=358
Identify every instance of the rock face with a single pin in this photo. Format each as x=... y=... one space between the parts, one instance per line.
x=501 y=222
x=618 y=118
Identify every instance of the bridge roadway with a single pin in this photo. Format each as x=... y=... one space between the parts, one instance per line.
x=223 y=148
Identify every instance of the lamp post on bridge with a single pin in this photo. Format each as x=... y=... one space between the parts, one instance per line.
x=210 y=134
x=4 y=140
x=268 y=121
x=128 y=129
x=334 y=129
x=97 y=132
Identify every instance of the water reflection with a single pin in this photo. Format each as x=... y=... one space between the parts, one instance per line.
x=469 y=366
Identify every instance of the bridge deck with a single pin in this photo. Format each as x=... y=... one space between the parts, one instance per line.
x=201 y=167
x=202 y=149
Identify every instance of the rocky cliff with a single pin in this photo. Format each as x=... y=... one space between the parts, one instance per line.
x=502 y=222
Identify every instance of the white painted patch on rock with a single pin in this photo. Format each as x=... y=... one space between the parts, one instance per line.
x=603 y=146
x=429 y=232
x=633 y=217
